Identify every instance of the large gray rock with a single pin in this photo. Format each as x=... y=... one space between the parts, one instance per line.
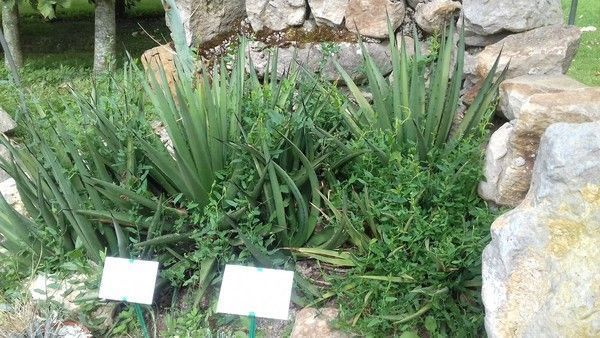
x=161 y=59
x=542 y=51
x=508 y=174
x=328 y=12
x=314 y=57
x=491 y=17
x=205 y=20
x=7 y=124
x=474 y=40
x=414 y=3
x=424 y=49
x=514 y=93
x=8 y=189
x=495 y=152
x=541 y=271
x=276 y=15
x=434 y=16
x=369 y=17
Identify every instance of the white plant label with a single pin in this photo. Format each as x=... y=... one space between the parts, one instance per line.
x=260 y=292
x=128 y=280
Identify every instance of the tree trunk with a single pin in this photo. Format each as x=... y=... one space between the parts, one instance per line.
x=573 y=12
x=105 y=36
x=10 y=26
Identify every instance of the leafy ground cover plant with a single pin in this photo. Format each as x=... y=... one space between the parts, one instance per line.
x=418 y=269
x=269 y=195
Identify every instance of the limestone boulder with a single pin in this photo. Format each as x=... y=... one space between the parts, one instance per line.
x=424 y=48
x=414 y=3
x=317 y=58
x=369 y=17
x=496 y=150
x=205 y=20
x=541 y=270
x=514 y=93
x=71 y=329
x=484 y=19
x=161 y=57
x=328 y=12
x=315 y=323
x=160 y=130
x=8 y=189
x=542 y=51
x=434 y=16
x=508 y=177
x=7 y=124
x=474 y=40
x=275 y=15
x=471 y=60
x=309 y=25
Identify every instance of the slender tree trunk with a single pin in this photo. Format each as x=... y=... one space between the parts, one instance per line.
x=10 y=26
x=105 y=36
x=573 y=12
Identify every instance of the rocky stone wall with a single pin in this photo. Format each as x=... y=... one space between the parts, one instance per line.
x=485 y=22
x=205 y=20
x=529 y=32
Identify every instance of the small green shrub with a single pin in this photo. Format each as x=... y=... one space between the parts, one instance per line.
x=186 y=324
x=421 y=264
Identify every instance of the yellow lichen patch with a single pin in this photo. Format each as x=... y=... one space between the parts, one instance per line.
x=591 y=195
x=527 y=289
x=564 y=235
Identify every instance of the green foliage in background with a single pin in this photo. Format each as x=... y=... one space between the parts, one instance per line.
x=47 y=8
x=79 y=9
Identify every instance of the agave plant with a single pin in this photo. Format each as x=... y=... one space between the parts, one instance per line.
x=52 y=188
x=200 y=120
x=289 y=149
x=418 y=104
x=80 y=190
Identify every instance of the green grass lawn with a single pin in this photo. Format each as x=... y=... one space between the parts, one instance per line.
x=586 y=66
x=85 y=9
x=60 y=51
x=72 y=33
